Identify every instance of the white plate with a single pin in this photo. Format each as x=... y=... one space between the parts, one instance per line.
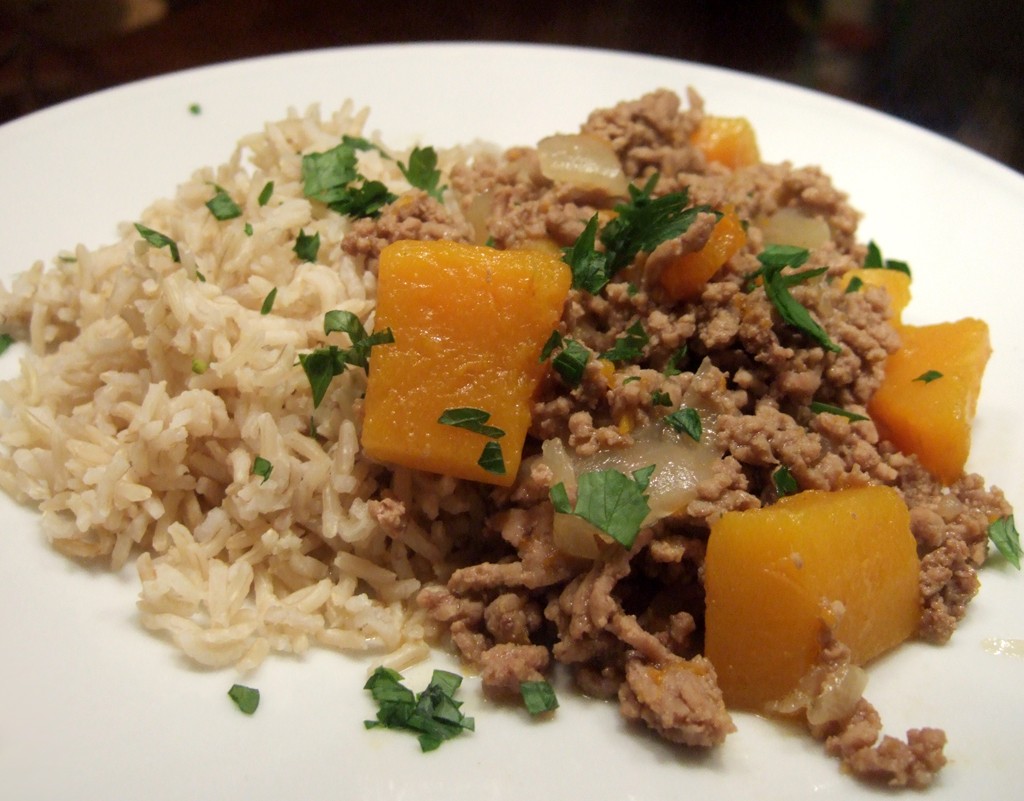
x=92 y=707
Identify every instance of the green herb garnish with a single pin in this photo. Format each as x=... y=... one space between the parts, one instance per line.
x=827 y=408
x=491 y=459
x=855 y=283
x=629 y=346
x=774 y=259
x=247 y=228
x=685 y=421
x=571 y=362
x=323 y=364
x=262 y=467
x=364 y=200
x=268 y=301
x=609 y=500
x=422 y=171
x=247 y=699
x=641 y=224
x=222 y=206
x=672 y=365
x=158 y=240
x=331 y=177
x=195 y=109
x=658 y=397
x=434 y=715
x=6 y=340
x=928 y=376
x=873 y=261
x=265 y=193
x=471 y=419
x=538 y=697
x=784 y=482
x=553 y=341
x=306 y=246
x=1004 y=535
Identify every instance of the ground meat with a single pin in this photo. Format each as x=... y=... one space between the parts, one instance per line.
x=627 y=623
x=417 y=216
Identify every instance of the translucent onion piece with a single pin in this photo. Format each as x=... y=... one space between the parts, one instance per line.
x=792 y=227
x=584 y=161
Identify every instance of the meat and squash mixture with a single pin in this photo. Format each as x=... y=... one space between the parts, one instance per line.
x=685 y=447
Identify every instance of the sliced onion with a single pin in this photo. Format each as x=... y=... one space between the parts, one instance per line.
x=792 y=227
x=838 y=697
x=584 y=161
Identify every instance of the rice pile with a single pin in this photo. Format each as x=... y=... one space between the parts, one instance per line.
x=153 y=385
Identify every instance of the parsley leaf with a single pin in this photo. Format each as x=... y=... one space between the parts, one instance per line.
x=589 y=267
x=784 y=482
x=827 y=408
x=322 y=364
x=6 y=340
x=571 y=362
x=422 y=171
x=158 y=240
x=262 y=467
x=268 y=301
x=326 y=176
x=672 y=365
x=433 y=714
x=265 y=193
x=928 y=376
x=538 y=697
x=1004 y=535
x=659 y=397
x=195 y=109
x=222 y=206
x=554 y=341
x=365 y=200
x=306 y=246
x=855 y=283
x=609 y=500
x=873 y=260
x=248 y=229
x=491 y=459
x=686 y=421
x=361 y=143
x=629 y=346
x=247 y=699
x=774 y=259
x=471 y=419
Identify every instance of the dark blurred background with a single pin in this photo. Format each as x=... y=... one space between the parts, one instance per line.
x=955 y=66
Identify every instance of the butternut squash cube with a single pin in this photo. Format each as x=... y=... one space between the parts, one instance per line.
x=685 y=276
x=469 y=324
x=727 y=140
x=895 y=282
x=927 y=415
x=773 y=575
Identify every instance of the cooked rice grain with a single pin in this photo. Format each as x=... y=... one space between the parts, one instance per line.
x=151 y=387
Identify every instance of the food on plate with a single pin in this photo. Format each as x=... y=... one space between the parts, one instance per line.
x=677 y=353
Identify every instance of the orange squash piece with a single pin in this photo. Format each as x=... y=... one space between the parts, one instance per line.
x=895 y=282
x=685 y=276
x=727 y=140
x=469 y=324
x=772 y=575
x=932 y=419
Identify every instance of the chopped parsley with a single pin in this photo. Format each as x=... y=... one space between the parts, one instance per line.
x=491 y=459
x=1004 y=535
x=262 y=467
x=774 y=259
x=641 y=224
x=630 y=346
x=247 y=699
x=195 y=109
x=265 y=193
x=422 y=171
x=434 y=714
x=658 y=397
x=553 y=341
x=609 y=500
x=332 y=178
x=827 y=408
x=158 y=240
x=322 y=364
x=200 y=277
x=538 y=697
x=855 y=283
x=784 y=482
x=873 y=260
x=222 y=206
x=6 y=340
x=268 y=301
x=672 y=365
x=928 y=376
x=685 y=421
x=306 y=246
x=571 y=362
x=471 y=419
x=248 y=229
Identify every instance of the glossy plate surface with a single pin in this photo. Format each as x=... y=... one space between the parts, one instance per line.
x=93 y=707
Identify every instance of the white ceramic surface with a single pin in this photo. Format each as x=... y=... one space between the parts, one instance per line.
x=93 y=707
